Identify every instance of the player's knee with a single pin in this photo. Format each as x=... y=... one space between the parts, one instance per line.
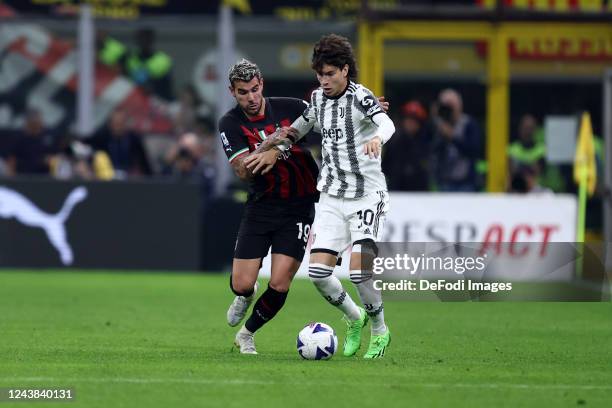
x=241 y=286
x=362 y=255
x=318 y=273
x=365 y=247
x=326 y=257
x=280 y=285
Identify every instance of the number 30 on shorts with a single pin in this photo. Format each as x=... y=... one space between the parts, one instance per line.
x=303 y=231
x=366 y=217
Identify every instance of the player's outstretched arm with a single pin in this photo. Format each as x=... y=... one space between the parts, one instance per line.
x=279 y=141
x=282 y=136
x=264 y=157
x=301 y=126
x=386 y=128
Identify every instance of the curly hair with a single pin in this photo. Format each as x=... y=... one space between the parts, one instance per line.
x=244 y=70
x=334 y=50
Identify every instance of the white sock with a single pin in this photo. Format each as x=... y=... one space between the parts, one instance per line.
x=330 y=287
x=371 y=299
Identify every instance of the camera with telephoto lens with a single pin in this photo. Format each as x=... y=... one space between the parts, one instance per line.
x=184 y=153
x=445 y=112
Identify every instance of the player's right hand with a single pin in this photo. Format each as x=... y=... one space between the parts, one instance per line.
x=373 y=147
x=383 y=102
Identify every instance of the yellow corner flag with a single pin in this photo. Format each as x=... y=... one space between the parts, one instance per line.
x=585 y=175
x=585 y=168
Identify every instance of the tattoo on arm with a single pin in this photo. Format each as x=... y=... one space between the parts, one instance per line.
x=264 y=146
x=240 y=169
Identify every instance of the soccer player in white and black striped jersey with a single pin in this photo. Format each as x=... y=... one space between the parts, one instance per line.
x=354 y=200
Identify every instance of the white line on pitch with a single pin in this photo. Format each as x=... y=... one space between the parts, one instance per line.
x=220 y=381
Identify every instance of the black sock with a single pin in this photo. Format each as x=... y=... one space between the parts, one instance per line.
x=265 y=308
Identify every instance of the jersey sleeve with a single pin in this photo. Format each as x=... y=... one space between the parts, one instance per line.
x=367 y=103
x=310 y=112
x=306 y=121
x=234 y=143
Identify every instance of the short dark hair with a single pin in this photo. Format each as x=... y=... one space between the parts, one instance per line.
x=244 y=70
x=334 y=50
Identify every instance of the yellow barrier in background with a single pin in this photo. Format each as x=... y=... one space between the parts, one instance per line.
x=373 y=35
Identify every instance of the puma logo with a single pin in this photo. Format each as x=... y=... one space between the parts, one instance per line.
x=15 y=205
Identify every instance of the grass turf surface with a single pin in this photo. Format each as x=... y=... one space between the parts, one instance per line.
x=160 y=340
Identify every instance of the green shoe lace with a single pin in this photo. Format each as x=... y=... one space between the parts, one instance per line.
x=354 y=327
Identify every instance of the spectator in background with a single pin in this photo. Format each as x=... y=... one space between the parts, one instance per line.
x=8 y=140
x=457 y=145
x=192 y=159
x=110 y=51
x=33 y=147
x=123 y=146
x=4 y=168
x=148 y=67
x=407 y=155
x=187 y=110
x=77 y=160
x=525 y=181
x=206 y=134
x=71 y=162
x=527 y=150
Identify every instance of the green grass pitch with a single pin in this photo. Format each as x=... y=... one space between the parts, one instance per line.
x=161 y=340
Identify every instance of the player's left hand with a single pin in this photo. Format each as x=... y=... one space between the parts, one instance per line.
x=383 y=102
x=263 y=162
x=372 y=148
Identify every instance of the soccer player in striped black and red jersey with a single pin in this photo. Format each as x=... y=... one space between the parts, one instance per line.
x=280 y=206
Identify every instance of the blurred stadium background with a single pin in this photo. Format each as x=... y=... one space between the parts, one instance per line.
x=123 y=97
x=108 y=115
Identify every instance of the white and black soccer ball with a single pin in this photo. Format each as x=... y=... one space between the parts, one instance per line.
x=317 y=341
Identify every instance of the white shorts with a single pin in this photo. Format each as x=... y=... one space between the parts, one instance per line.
x=340 y=222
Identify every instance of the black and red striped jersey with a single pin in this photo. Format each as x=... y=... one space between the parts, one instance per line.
x=294 y=177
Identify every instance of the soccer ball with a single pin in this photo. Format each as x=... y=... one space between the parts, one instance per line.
x=317 y=341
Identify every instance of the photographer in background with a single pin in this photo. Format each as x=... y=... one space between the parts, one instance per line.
x=457 y=145
x=191 y=159
x=77 y=160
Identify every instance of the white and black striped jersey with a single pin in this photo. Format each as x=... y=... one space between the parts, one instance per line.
x=346 y=125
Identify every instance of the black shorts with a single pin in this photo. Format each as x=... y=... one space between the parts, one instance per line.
x=285 y=231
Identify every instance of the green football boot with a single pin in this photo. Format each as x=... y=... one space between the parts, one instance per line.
x=378 y=345
x=352 y=341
